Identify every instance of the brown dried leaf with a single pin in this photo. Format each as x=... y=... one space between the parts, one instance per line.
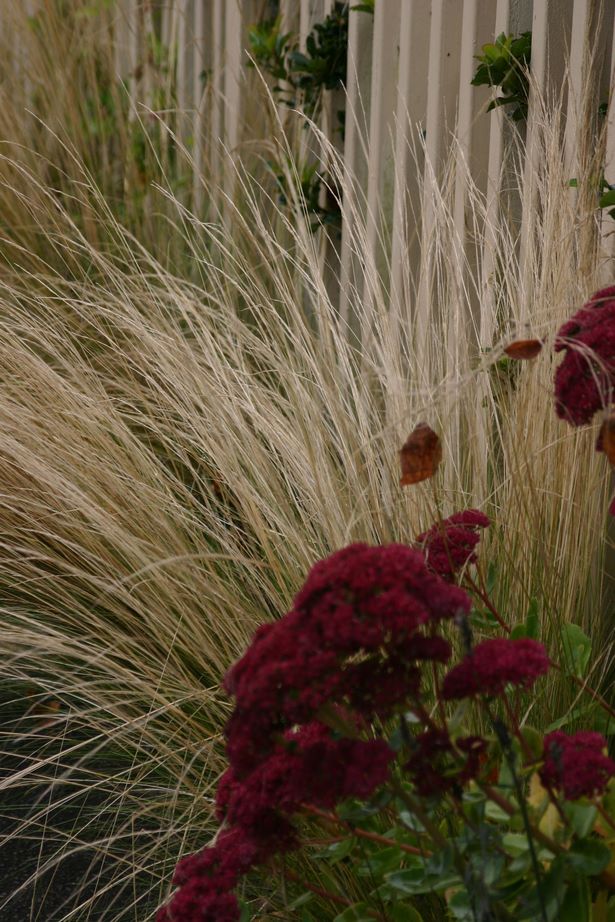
x=420 y=455
x=523 y=349
x=606 y=437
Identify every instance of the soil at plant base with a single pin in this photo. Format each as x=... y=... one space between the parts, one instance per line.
x=69 y=882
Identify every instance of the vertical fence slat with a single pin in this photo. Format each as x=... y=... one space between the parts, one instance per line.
x=472 y=136
x=550 y=38
x=311 y=11
x=217 y=89
x=492 y=210
x=233 y=61
x=386 y=99
x=410 y=115
x=360 y=34
x=385 y=57
x=607 y=225
x=127 y=45
x=200 y=77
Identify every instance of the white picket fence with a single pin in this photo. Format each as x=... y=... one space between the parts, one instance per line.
x=409 y=68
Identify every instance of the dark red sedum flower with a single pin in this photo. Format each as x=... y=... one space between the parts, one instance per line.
x=450 y=545
x=576 y=764
x=494 y=664
x=349 y=651
x=366 y=602
x=585 y=380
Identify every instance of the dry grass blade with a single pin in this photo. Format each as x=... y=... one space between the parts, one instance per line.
x=177 y=452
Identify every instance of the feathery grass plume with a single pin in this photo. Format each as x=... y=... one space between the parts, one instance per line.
x=176 y=453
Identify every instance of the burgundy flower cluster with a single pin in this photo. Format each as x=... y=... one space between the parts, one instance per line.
x=585 y=380
x=349 y=650
x=359 y=627
x=576 y=764
x=450 y=545
x=494 y=664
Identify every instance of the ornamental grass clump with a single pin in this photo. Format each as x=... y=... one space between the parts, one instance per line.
x=368 y=719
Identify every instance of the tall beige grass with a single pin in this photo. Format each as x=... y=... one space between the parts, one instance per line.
x=176 y=454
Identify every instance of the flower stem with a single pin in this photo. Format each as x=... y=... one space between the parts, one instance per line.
x=325 y=894
x=362 y=833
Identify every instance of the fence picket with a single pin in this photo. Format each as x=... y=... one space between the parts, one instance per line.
x=410 y=68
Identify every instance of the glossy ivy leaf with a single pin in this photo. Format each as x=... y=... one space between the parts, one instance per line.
x=589 y=856
x=577 y=649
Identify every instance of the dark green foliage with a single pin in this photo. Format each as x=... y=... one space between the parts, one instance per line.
x=505 y=64
x=300 y=79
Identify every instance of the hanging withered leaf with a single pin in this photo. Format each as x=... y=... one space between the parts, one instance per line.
x=420 y=455
x=606 y=436
x=523 y=349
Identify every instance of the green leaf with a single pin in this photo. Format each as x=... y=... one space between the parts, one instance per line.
x=360 y=912
x=552 y=890
x=460 y=906
x=577 y=902
x=577 y=649
x=413 y=880
x=384 y=860
x=246 y=912
x=495 y=813
x=338 y=851
x=589 y=856
x=302 y=900
x=515 y=843
x=532 y=623
x=581 y=818
x=607 y=199
x=403 y=913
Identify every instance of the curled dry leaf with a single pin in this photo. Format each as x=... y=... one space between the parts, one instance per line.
x=606 y=436
x=523 y=349
x=420 y=455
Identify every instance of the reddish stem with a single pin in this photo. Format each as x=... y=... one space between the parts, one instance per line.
x=487 y=602
x=325 y=894
x=363 y=833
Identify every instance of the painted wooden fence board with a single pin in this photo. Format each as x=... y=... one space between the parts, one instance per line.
x=409 y=72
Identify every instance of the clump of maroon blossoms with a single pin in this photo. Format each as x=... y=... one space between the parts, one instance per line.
x=350 y=650
x=585 y=380
x=450 y=545
x=364 y=617
x=576 y=764
x=494 y=664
